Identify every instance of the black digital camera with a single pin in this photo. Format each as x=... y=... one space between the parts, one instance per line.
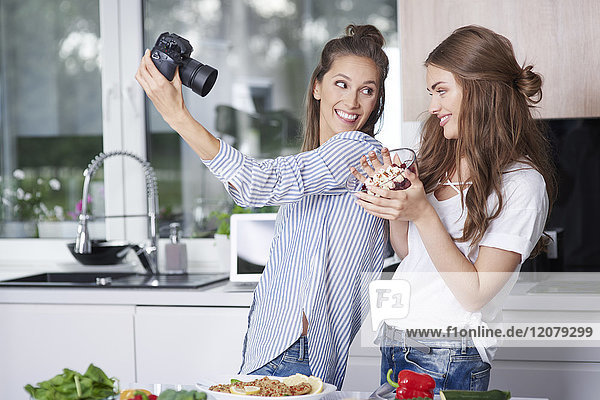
x=172 y=51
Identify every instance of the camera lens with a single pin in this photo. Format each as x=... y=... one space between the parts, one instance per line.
x=197 y=76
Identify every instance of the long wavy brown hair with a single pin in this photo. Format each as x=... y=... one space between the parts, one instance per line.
x=359 y=40
x=496 y=126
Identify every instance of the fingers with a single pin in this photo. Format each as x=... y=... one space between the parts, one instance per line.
x=361 y=178
x=410 y=175
x=144 y=74
x=364 y=164
x=382 y=193
x=148 y=72
x=385 y=154
x=414 y=168
x=375 y=160
x=176 y=79
x=370 y=163
x=387 y=208
x=147 y=66
x=374 y=210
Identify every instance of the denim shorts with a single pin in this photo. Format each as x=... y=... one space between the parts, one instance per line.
x=453 y=364
x=291 y=361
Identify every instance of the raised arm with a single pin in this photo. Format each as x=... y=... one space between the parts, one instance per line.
x=168 y=99
x=251 y=182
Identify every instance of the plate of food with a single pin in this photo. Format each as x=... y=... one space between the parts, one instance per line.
x=257 y=387
x=387 y=174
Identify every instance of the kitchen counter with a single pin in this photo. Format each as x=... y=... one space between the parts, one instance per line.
x=556 y=291
x=146 y=327
x=211 y=295
x=523 y=296
x=346 y=395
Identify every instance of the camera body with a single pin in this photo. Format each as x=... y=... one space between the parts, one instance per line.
x=170 y=52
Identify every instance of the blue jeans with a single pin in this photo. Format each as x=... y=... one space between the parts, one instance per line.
x=292 y=361
x=454 y=365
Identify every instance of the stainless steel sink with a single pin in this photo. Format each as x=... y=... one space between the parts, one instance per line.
x=115 y=280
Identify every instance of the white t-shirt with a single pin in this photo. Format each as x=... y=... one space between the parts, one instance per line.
x=517 y=229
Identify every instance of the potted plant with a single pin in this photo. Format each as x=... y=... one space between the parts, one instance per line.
x=23 y=203
x=53 y=223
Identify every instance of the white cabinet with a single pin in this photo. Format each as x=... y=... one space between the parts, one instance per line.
x=362 y=374
x=181 y=344
x=364 y=361
x=38 y=340
x=551 y=379
x=134 y=343
x=562 y=369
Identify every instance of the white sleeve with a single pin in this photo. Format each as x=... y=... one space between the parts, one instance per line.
x=521 y=222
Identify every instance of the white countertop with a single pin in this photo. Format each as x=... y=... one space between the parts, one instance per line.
x=216 y=295
x=563 y=295
x=210 y=296
x=345 y=395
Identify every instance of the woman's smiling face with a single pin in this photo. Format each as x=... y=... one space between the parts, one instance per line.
x=446 y=98
x=347 y=94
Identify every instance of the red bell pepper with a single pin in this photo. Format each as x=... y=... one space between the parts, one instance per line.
x=143 y=396
x=412 y=385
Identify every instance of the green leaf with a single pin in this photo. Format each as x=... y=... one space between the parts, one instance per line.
x=71 y=385
x=200 y=396
x=168 y=394
x=97 y=375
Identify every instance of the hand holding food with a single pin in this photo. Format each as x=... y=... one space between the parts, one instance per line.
x=387 y=173
x=390 y=178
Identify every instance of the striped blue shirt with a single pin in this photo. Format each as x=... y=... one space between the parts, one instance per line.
x=324 y=252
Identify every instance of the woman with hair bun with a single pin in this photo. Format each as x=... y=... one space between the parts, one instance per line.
x=475 y=210
x=311 y=298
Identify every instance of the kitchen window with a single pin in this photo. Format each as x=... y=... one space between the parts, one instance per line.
x=265 y=52
x=51 y=113
x=67 y=92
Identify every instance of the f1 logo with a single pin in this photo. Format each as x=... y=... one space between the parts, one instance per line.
x=389 y=299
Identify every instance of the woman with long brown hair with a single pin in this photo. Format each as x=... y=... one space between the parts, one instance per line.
x=475 y=210
x=311 y=298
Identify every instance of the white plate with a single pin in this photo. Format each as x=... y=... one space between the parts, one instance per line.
x=327 y=388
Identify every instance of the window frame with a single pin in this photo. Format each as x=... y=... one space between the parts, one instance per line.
x=124 y=128
x=123 y=116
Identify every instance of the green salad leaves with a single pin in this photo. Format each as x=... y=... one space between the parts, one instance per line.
x=71 y=385
x=171 y=394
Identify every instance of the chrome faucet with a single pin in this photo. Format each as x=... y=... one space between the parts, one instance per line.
x=149 y=254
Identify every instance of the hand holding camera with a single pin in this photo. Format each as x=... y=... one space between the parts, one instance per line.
x=170 y=52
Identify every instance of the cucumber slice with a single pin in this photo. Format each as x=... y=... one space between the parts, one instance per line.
x=471 y=395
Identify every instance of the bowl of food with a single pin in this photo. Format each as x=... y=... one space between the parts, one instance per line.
x=259 y=387
x=103 y=252
x=386 y=174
